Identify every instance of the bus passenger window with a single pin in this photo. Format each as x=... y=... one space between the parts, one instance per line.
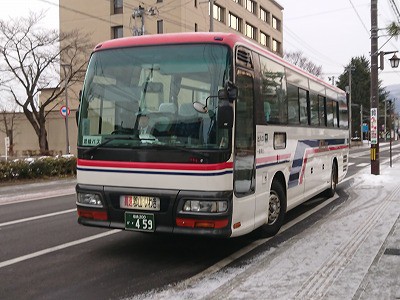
x=267 y=111
x=293 y=104
x=273 y=91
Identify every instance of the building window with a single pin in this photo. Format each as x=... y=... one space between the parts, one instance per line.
x=251 y=6
x=265 y=39
x=118 y=6
x=117 y=32
x=219 y=13
x=159 y=1
x=238 y=1
x=235 y=22
x=276 y=23
x=195 y=3
x=276 y=46
x=251 y=31
x=265 y=15
x=160 y=26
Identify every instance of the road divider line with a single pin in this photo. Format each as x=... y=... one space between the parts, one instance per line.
x=56 y=248
x=37 y=217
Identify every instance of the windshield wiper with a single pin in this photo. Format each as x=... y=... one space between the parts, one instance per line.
x=163 y=146
x=87 y=151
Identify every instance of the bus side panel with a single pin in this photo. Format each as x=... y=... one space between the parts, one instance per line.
x=243 y=215
x=269 y=162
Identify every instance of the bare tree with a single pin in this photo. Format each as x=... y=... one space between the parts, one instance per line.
x=7 y=122
x=297 y=58
x=32 y=57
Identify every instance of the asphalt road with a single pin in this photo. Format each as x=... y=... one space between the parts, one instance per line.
x=45 y=254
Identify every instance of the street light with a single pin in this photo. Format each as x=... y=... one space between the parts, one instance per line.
x=394 y=61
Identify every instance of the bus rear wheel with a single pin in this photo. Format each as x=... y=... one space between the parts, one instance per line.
x=330 y=192
x=276 y=210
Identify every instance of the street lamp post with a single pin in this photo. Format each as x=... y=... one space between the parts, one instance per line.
x=394 y=62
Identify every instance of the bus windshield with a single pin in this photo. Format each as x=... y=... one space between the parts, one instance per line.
x=143 y=97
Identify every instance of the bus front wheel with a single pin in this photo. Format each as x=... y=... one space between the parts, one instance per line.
x=276 y=210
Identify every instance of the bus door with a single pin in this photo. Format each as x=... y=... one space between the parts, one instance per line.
x=244 y=151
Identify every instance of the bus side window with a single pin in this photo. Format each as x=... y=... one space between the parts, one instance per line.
x=267 y=111
x=293 y=104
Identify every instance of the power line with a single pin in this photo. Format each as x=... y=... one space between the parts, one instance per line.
x=359 y=18
x=395 y=10
x=304 y=44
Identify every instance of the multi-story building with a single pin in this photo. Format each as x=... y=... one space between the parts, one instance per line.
x=106 y=19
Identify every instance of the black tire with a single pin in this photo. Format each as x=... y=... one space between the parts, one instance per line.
x=330 y=192
x=276 y=210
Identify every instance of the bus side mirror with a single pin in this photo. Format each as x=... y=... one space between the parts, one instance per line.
x=225 y=116
x=229 y=92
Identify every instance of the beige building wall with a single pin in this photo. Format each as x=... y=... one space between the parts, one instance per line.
x=26 y=142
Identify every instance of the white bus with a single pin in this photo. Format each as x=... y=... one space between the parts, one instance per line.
x=203 y=134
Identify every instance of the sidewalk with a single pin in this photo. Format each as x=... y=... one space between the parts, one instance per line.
x=33 y=191
x=352 y=253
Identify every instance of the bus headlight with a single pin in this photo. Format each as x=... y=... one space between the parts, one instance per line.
x=205 y=206
x=89 y=199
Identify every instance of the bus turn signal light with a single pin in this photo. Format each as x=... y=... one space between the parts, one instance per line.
x=92 y=214
x=194 y=223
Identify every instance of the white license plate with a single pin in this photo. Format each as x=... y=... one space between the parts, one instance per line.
x=139 y=202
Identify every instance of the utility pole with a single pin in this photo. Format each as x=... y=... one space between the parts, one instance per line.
x=138 y=12
x=141 y=12
x=361 y=124
x=349 y=70
x=385 y=131
x=374 y=90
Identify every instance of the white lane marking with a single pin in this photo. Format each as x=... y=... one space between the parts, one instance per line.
x=362 y=165
x=56 y=248
x=37 y=217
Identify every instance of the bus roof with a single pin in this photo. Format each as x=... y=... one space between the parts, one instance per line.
x=230 y=39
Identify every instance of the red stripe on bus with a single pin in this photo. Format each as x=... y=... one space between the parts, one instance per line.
x=274 y=158
x=152 y=166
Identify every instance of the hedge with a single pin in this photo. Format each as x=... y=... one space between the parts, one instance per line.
x=39 y=168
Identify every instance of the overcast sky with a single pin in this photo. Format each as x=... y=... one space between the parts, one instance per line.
x=330 y=33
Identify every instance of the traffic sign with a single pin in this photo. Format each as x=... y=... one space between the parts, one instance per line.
x=63 y=111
